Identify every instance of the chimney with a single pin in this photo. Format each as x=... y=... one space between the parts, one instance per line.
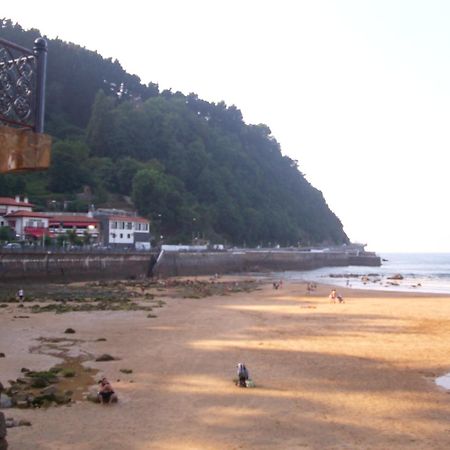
x=17 y=198
x=25 y=199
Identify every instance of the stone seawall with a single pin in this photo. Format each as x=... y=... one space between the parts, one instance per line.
x=207 y=263
x=72 y=266
x=91 y=266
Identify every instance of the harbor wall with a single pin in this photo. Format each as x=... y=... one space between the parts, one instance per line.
x=47 y=266
x=72 y=266
x=208 y=263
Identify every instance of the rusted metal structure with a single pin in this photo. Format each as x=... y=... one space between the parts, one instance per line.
x=23 y=144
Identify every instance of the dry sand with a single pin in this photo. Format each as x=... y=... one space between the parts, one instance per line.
x=358 y=375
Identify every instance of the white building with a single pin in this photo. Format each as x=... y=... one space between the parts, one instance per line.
x=9 y=205
x=28 y=224
x=120 y=230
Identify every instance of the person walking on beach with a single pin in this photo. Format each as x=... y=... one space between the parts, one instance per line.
x=20 y=295
x=333 y=296
x=243 y=375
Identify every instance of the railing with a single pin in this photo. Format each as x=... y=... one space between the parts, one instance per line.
x=22 y=84
x=74 y=249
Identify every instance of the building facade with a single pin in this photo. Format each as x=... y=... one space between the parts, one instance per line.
x=84 y=226
x=124 y=231
x=9 y=205
x=28 y=225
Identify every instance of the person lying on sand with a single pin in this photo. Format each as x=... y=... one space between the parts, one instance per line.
x=106 y=393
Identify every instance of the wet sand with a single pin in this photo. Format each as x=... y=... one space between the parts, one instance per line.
x=358 y=375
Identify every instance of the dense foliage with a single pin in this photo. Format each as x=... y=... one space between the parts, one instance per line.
x=193 y=167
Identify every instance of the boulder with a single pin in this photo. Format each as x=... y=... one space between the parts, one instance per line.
x=69 y=331
x=49 y=390
x=397 y=276
x=92 y=398
x=105 y=357
x=5 y=401
x=10 y=422
x=24 y=423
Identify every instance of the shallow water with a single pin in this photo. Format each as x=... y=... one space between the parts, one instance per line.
x=421 y=272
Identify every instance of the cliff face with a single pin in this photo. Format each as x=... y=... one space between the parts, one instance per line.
x=193 y=167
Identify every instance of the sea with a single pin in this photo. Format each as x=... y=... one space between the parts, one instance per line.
x=406 y=272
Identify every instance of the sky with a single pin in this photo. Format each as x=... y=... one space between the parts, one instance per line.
x=357 y=91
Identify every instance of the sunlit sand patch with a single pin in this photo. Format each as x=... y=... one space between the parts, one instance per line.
x=165 y=328
x=198 y=384
x=182 y=444
x=306 y=344
x=276 y=308
x=295 y=298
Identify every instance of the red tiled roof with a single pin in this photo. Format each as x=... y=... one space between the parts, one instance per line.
x=27 y=214
x=72 y=219
x=12 y=202
x=128 y=219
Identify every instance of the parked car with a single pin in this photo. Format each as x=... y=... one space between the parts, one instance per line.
x=12 y=245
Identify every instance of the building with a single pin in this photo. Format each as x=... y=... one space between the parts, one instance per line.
x=28 y=225
x=83 y=225
x=119 y=229
x=112 y=228
x=9 y=205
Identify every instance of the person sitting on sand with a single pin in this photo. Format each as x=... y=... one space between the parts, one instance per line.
x=106 y=393
x=341 y=299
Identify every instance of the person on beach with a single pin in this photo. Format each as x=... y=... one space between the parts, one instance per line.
x=333 y=296
x=20 y=295
x=277 y=284
x=242 y=374
x=106 y=393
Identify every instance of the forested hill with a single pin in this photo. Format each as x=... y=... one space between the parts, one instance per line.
x=193 y=167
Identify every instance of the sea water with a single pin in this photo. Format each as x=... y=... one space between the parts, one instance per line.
x=420 y=272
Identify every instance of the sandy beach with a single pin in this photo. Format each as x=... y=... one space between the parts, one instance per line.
x=358 y=375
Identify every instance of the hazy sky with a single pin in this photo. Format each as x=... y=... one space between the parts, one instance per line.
x=357 y=91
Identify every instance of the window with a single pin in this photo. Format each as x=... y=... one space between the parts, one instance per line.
x=121 y=235
x=121 y=225
x=113 y=235
x=138 y=226
x=114 y=225
x=128 y=236
x=129 y=226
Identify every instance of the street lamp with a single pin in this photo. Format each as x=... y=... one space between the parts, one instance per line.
x=194 y=219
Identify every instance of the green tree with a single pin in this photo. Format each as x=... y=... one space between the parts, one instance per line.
x=68 y=171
